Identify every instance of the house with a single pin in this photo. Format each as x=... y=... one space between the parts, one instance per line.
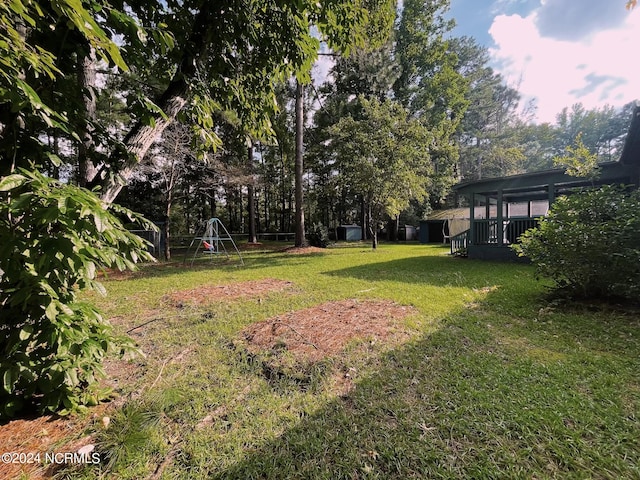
x=501 y=209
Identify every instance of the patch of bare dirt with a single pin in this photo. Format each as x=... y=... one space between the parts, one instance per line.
x=211 y=293
x=251 y=245
x=314 y=333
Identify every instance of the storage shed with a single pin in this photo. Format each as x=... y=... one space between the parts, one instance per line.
x=407 y=233
x=441 y=225
x=350 y=233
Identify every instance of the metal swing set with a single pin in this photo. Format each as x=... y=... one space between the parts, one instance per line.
x=211 y=241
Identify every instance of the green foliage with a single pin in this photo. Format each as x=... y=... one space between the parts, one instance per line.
x=601 y=130
x=382 y=157
x=579 y=161
x=489 y=134
x=318 y=236
x=429 y=84
x=22 y=52
x=53 y=240
x=588 y=244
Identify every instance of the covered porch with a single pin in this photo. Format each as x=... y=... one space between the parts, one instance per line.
x=502 y=209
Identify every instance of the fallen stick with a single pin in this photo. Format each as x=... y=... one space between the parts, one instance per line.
x=304 y=340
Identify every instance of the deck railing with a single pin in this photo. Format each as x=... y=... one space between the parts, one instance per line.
x=489 y=232
x=459 y=243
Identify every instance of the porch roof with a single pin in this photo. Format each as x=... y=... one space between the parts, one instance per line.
x=535 y=185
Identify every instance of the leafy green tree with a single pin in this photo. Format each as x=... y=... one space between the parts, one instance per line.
x=602 y=130
x=430 y=84
x=538 y=145
x=54 y=238
x=579 y=161
x=381 y=156
x=368 y=73
x=588 y=244
x=489 y=133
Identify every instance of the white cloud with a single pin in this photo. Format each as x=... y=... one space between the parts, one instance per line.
x=600 y=69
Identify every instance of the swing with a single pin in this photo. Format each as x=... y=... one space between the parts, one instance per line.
x=212 y=239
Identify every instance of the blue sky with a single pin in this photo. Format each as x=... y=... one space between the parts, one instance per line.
x=558 y=52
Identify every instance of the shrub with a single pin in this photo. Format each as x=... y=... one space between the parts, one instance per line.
x=53 y=239
x=318 y=236
x=589 y=244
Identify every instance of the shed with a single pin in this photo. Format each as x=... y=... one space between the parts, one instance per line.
x=350 y=233
x=440 y=225
x=407 y=233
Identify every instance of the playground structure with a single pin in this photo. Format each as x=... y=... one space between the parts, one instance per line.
x=211 y=241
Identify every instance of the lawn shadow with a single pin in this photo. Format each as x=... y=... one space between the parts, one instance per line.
x=428 y=269
x=458 y=403
x=204 y=264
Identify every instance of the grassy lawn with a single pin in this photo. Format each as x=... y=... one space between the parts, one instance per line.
x=491 y=384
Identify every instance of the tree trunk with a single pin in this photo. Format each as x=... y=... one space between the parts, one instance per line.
x=169 y=187
x=267 y=194
x=363 y=219
x=283 y=193
x=266 y=213
x=299 y=196
x=230 y=201
x=212 y=203
x=251 y=201
x=141 y=137
x=373 y=228
x=172 y=101
x=87 y=169
x=166 y=230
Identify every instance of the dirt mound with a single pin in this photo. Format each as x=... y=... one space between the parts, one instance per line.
x=314 y=333
x=211 y=293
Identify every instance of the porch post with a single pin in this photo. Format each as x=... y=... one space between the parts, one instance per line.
x=472 y=227
x=499 y=220
x=552 y=193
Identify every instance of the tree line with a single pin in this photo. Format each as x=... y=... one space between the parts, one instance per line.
x=193 y=113
x=445 y=114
